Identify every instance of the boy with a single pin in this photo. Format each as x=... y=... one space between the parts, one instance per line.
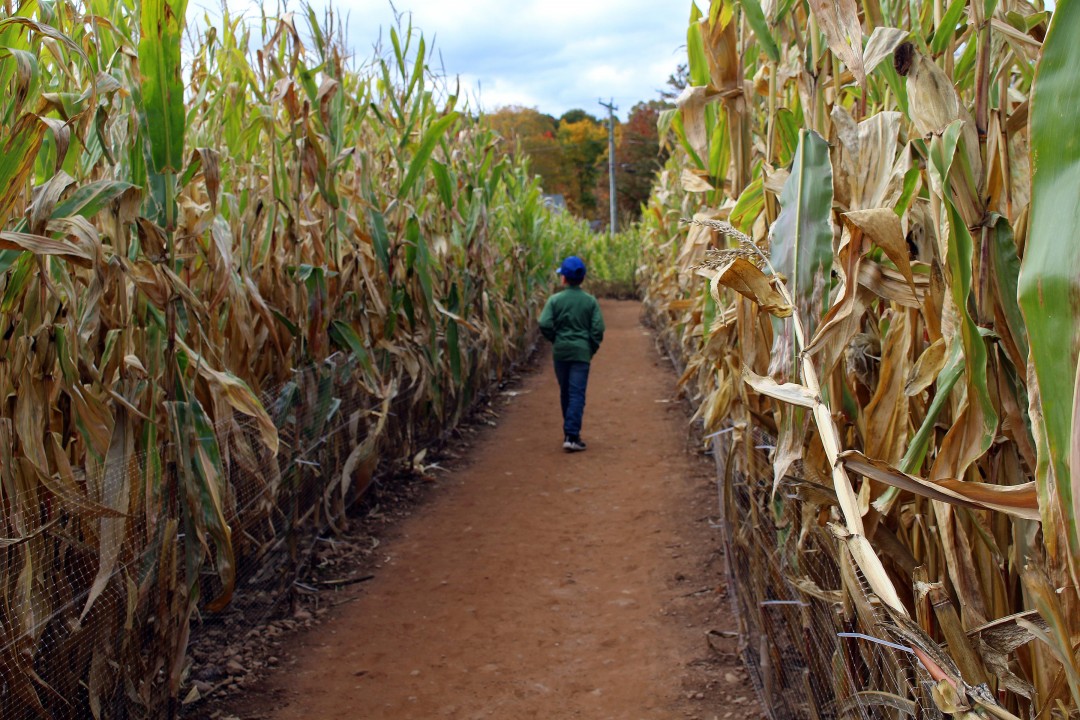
x=572 y=322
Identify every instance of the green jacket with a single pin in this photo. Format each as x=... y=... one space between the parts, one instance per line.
x=572 y=322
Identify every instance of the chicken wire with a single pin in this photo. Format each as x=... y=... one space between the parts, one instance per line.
x=814 y=647
x=92 y=633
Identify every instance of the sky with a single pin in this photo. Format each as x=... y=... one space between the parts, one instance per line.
x=553 y=55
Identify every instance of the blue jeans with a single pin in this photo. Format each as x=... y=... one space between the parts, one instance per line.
x=573 y=377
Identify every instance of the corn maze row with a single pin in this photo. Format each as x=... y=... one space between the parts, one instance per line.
x=864 y=252
x=238 y=270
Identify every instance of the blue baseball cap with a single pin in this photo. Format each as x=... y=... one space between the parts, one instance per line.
x=572 y=268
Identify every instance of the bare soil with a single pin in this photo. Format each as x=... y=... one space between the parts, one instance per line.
x=532 y=583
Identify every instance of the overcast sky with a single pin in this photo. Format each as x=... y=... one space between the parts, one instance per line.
x=553 y=55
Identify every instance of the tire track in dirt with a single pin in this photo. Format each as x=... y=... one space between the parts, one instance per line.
x=537 y=584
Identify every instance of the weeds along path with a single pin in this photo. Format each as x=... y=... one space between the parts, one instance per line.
x=537 y=584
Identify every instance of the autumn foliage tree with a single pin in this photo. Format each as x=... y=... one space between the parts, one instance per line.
x=534 y=134
x=638 y=157
x=570 y=154
x=584 y=145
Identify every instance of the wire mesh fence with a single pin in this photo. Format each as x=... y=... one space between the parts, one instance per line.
x=815 y=640
x=815 y=644
x=110 y=595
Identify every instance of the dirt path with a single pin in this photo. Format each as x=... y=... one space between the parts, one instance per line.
x=536 y=584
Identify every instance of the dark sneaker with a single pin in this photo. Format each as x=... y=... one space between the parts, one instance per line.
x=573 y=443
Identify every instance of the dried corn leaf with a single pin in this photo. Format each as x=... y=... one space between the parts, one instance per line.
x=883 y=41
x=926 y=369
x=886 y=417
x=41 y=245
x=882 y=226
x=691 y=104
x=792 y=393
x=1057 y=635
x=1018 y=500
x=694 y=181
x=747 y=279
x=839 y=20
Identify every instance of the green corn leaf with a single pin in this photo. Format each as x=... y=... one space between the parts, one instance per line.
x=202 y=478
x=291 y=326
x=24 y=265
x=1049 y=284
x=418 y=66
x=453 y=342
x=748 y=206
x=25 y=71
x=958 y=262
x=398 y=55
x=719 y=149
x=695 y=50
x=162 y=25
x=17 y=159
x=347 y=338
x=787 y=136
x=88 y=200
x=920 y=442
x=1006 y=274
x=380 y=238
x=423 y=152
x=443 y=183
x=947 y=29
x=803 y=233
x=756 y=18
x=911 y=182
x=43 y=29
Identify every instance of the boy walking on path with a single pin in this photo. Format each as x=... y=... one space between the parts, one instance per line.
x=572 y=322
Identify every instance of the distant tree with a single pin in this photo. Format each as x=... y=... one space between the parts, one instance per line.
x=638 y=157
x=514 y=120
x=577 y=115
x=570 y=154
x=534 y=134
x=584 y=146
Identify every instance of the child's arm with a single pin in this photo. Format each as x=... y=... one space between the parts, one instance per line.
x=596 y=328
x=547 y=321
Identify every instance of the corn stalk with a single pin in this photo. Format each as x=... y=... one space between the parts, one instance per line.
x=214 y=280
x=938 y=464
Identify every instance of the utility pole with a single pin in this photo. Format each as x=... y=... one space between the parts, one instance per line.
x=611 y=108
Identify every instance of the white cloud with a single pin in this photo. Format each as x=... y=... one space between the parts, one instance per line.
x=553 y=54
x=498 y=92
